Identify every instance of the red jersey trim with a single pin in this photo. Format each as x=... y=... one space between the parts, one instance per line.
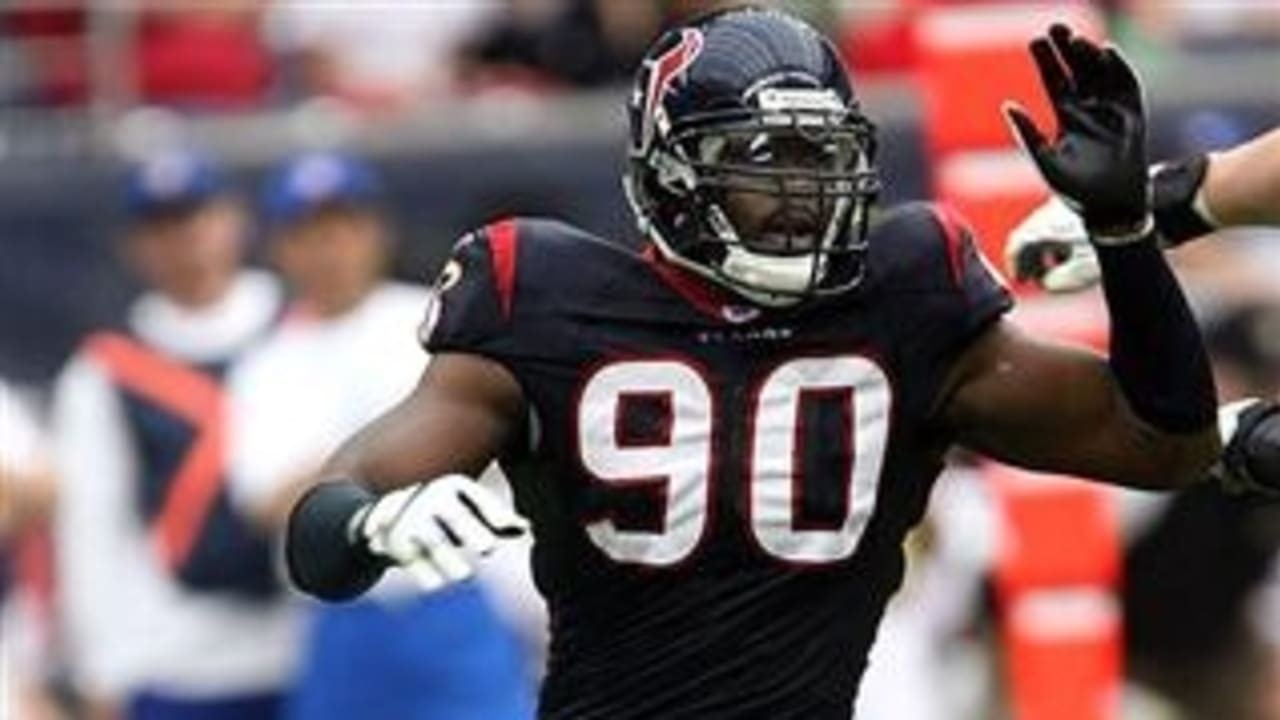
x=953 y=229
x=698 y=292
x=502 y=243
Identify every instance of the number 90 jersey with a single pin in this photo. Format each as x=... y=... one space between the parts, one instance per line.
x=718 y=491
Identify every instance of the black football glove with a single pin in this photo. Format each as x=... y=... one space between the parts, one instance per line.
x=1250 y=463
x=1098 y=162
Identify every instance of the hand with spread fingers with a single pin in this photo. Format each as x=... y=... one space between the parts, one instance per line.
x=1097 y=163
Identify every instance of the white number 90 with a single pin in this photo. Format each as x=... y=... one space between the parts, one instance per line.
x=678 y=464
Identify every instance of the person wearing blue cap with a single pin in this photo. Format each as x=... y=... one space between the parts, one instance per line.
x=344 y=354
x=173 y=604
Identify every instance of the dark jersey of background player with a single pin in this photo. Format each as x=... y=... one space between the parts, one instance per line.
x=767 y=592
x=719 y=481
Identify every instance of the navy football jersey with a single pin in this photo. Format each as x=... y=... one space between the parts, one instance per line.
x=719 y=492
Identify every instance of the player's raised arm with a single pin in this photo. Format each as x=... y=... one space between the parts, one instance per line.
x=1145 y=417
x=1193 y=197
x=399 y=491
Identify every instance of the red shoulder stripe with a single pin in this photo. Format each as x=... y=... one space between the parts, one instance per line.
x=953 y=229
x=502 y=243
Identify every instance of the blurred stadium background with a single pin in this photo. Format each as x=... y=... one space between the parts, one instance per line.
x=472 y=109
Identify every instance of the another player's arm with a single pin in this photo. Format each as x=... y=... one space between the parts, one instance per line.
x=1242 y=184
x=396 y=492
x=1054 y=408
x=1193 y=197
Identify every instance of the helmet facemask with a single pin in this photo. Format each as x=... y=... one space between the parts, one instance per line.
x=771 y=202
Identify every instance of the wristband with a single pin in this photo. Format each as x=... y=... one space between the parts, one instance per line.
x=322 y=556
x=1179 y=207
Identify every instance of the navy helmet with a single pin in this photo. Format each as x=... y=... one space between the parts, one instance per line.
x=712 y=101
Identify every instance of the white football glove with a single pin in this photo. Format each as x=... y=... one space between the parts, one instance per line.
x=436 y=529
x=1051 y=248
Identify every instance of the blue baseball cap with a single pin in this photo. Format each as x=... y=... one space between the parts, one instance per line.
x=171 y=182
x=313 y=180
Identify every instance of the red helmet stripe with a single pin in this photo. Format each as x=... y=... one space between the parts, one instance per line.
x=664 y=69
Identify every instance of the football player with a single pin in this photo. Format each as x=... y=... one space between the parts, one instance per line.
x=721 y=441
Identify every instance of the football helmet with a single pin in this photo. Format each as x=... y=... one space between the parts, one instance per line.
x=752 y=102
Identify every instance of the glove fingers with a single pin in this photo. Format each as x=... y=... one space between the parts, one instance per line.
x=424 y=573
x=1053 y=76
x=1087 y=67
x=499 y=517
x=1123 y=80
x=1033 y=142
x=467 y=532
x=448 y=560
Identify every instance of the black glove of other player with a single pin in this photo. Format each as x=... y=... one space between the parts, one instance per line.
x=1250 y=463
x=1098 y=162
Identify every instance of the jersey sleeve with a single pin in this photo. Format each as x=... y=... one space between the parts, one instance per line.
x=945 y=292
x=978 y=294
x=470 y=305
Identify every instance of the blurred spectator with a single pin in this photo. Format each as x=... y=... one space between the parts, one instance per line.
x=43 y=52
x=172 y=603
x=345 y=353
x=26 y=502
x=574 y=43
x=1225 y=25
x=206 y=55
x=379 y=56
x=26 y=485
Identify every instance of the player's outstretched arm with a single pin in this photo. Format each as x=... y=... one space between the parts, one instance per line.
x=1075 y=429
x=399 y=491
x=1193 y=196
x=1144 y=417
x=1054 y=408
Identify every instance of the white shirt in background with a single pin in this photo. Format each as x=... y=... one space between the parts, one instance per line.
x=314 y=382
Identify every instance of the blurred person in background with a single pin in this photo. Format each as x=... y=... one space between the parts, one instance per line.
x=344 y=354
x=1225 y=25
x=376 y=56
x=561 y=43
x=43 y=52
x=27 y=495
x=172 y=604
x=200 y=55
